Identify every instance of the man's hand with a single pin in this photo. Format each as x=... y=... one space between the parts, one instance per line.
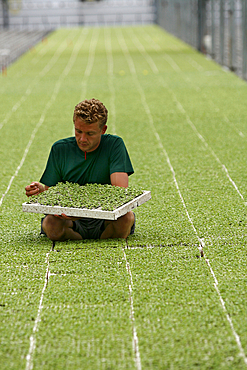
x=64 y=217
x=35 y=188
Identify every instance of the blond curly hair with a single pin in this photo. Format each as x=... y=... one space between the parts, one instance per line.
x=91 y=111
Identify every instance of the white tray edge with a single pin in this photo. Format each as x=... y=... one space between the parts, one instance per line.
x=136 y=202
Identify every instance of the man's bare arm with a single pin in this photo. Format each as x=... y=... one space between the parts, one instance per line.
x=120 y=179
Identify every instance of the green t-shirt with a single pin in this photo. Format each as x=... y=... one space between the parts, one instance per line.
x=67 y=162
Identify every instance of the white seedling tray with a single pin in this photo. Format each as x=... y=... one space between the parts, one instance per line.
x=84 y=212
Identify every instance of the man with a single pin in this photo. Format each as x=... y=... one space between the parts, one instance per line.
x=90 y=157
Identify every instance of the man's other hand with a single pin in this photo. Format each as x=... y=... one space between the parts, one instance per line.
x=35 y=188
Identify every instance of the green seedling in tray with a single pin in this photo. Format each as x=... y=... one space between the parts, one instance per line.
x=89 y=196
x=90 y=200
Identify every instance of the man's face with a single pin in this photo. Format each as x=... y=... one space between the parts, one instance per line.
x=88 y=136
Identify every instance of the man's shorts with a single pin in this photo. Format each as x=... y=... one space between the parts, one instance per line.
x=88 y=228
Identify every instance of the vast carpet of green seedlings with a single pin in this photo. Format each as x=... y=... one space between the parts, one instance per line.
x=153 y=302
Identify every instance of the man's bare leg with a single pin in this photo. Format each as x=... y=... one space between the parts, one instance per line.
x=58 y=229
x=119 y=228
